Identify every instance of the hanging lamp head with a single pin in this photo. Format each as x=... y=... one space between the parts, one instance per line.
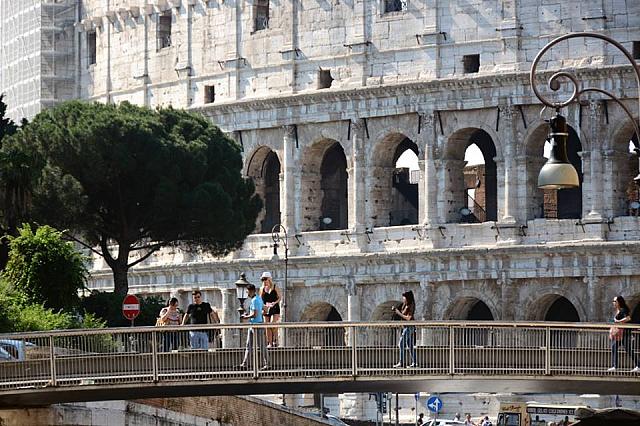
x=558 y=172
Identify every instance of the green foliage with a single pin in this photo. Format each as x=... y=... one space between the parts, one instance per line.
x=45 y=269
x=7 y=126
x=108 y=307
x=141 y=179
x=17 y=314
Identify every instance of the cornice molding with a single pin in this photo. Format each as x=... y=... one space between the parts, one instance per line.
x=414 y=88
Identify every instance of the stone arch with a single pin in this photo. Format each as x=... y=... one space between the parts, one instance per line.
x=551 y=204
x=622 y=167
x=471 y=309
x=540 y=308
x=484 y=207
x=394 y=193
x=384 y=337
x=322 y=336
x=324 y=200
x=263 y=167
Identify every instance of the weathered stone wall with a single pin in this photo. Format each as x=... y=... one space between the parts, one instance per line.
x=196 y=411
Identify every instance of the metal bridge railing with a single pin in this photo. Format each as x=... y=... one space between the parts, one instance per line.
x=316 y=350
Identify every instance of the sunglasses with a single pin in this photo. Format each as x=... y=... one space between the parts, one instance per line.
x=264 y=279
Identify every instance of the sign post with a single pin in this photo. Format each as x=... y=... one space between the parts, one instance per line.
x=130 y=307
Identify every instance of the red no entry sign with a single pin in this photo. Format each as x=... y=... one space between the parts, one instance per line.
x=130 y=307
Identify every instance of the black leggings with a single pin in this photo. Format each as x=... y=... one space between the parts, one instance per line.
x=626 y=342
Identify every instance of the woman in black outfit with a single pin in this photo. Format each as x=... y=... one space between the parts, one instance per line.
x=271 y=297
x=622 y=316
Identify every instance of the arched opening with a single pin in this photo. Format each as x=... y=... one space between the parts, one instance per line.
x=333 y=184
x=562 y=310
x=565 y=203
x=395 y=174
x=471 y=309
x=384 y=337
x=404 y=210
x=320 y=336
x=472 y=194
x=324 y=198
x=264 y=170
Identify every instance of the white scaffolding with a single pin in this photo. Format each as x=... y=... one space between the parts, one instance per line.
x=37 y=60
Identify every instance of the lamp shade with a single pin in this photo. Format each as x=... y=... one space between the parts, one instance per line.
x=558 y=172
x=241 y=287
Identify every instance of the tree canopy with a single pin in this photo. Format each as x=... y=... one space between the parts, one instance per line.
x=131 y=180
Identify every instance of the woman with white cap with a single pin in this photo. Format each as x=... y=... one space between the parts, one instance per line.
x=271 y=297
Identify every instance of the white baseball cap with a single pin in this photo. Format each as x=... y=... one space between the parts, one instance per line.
x=265 y=274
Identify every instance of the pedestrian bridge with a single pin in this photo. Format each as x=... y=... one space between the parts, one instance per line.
x=128 y=363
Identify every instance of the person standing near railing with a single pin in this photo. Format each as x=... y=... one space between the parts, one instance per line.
x=170 y=315
x=271 y=297
x=620 y=336
x=255 y=316
x=406 y=313
x=199 y=312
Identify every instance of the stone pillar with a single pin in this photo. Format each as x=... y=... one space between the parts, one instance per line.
x=429 y=205
x=229 y=315
x=353 y=307
x=507 y=301
x=594 y=298
x=357 y=179
x=289 y=190
x=507 y=203
x=596 y=187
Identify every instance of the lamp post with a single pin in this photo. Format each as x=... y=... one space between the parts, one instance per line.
x=241 y=291
x=558 y=172
x=277 y=240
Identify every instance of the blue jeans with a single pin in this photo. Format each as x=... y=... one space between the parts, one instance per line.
x=406 y=340
x=626 y=342
x=199 y=340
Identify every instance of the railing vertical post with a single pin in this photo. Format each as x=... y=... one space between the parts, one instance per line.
x=52 y=360
x=451 y=348
x=154 y=355
x=254 y=340
x=354 y=351
x=547 y=352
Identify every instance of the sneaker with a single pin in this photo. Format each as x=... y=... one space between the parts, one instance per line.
x=611 y=369
x=269 y=346
x=636 y=369
x=264 y=367
x=412 y=365
x=398 y=365
x=243 y=365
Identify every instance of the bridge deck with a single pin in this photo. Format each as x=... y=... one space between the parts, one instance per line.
x=346 y=357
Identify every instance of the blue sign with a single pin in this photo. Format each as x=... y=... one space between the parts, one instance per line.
x=434 y=404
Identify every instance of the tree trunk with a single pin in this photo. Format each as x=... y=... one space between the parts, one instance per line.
x=120 y=279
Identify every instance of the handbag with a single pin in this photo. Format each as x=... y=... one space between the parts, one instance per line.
x=160 y=323
x=615 y=333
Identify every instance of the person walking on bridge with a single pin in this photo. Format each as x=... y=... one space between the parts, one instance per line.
x=199 y=312
x=406 y=313
x=621 y=336
x=255 y=316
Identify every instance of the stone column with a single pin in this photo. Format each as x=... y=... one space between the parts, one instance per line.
x=353 y=307
x=229 y=315
x=595 y=299
x=508 y=303
x=428 y=140
x=357 y=179
x=596 y=187
x=507 y=203
x=289 y=192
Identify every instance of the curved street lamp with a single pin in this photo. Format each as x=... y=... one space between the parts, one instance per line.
x=277 y=240
x=558 y=172
x=241 y=291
